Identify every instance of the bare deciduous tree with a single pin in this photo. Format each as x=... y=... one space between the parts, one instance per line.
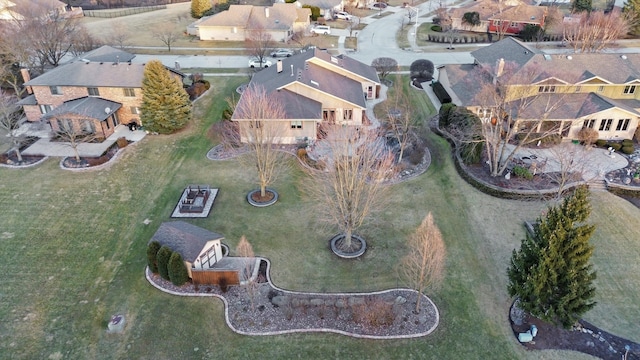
x=118 y=35
x=400 y=116
x=512 y=111
x=588 y=136
x=50 y=38
x=384 y=65
x=423 y=266
x=257 y=116
x=11 y=118
x=595 y=31
x=72 y=136
x=351 y=188
x=167 y=34
x=568 y=163
x=245 y=250
x=258 y=42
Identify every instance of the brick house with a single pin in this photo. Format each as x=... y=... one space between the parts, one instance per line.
x=93 y=94
x=508 y=17
x=315 y=87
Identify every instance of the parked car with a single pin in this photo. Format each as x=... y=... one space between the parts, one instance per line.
x=321 y=29
x=343 y=15
x=282 y=53
x=378 y=6
x=255 y=63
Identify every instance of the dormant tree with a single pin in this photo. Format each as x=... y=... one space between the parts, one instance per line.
x=423 y=266
x=258 y=42
x=595 y=31
x=245 y=250
x=351 y=188
x=505 y=99
x=400 y=117
x=167 y=33
x=257 y=116
x=568 y=163
x=631 y=11
x=118 y=35
x=384 y=66
x=73 y=135
x=165 y=104
x=11 y=118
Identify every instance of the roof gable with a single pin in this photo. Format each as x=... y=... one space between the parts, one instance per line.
x=92 y=107
x=92 y=74
x=509 y=49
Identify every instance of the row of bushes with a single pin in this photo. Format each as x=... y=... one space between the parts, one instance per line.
x=441 y=93
x=169 y=264
x=457 y=39
x=626 y=146
x=547 y=140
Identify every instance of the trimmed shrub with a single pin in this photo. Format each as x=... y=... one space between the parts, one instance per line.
x=588 y=136
x=152 y=252
x=601 y=143
x=627 y=142
x=164 y=254
x=416 y=155
x=615 y=146
x=522 y=172
x=373 y=314
x=441 y=93
x=436 y=28
x=122 y=142
x=628 y=149
x=444 y=113
x=422 y=70
x=178 y=273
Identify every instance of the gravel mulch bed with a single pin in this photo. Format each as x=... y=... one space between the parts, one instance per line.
x=379 y=315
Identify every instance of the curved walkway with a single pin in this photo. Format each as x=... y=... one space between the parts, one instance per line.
x=275 y=319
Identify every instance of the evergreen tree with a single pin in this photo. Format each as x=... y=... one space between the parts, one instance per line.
x=631 y=10
x=165 y=104
x=177 y=270
x=551 y=274
x=582 y=5
x=164 y=254
x=152 y=256
x=199 y=7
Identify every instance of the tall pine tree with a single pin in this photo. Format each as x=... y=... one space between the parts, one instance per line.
x=551 y=273
x=165 y=104
x=582 y=5
x=199 y=7
x=631 y=10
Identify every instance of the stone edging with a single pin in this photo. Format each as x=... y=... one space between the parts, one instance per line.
x=24 y=166
x=312 y=330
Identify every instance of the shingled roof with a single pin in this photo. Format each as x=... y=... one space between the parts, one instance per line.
x=105 y=53
x=186 y=239
x=92 y=74
x=280 y=16
x=93 y=107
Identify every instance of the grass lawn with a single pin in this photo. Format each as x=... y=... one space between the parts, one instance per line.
x=72 y=248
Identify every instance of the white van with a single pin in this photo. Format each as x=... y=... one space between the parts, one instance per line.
x=321 y=29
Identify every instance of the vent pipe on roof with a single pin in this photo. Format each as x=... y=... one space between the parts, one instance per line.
x=291 y=69
x=569 y=57
x=623 y=57
x=279 y=66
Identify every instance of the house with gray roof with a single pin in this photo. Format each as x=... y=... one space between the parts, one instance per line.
x=93 y=93
x=315 y=87
x=592 y=90
x=281 y=21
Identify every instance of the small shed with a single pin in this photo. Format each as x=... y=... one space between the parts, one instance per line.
x=201 y=250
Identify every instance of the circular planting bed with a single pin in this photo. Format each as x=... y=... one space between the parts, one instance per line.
x=254 y=198
x=357 y=247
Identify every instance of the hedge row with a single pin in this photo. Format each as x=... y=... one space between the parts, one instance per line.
x=441 y=93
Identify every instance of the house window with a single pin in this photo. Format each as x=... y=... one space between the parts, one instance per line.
x=497 y=22
x=65 y=125
x=629 y=89
x=600 y=88
x=329 y=116
x=234 y=30
x=93 y=91
x=589 y=123
x=296 y=124
x=605 y=124
x=89 y=127
x=45 y=109
x=547 y=89
x=129 y=92
x=55 y=90
x=135 y=110
x=348 y=114
x=623 y=124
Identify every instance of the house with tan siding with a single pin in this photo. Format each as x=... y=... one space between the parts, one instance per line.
x=315 y=87
x=597 y=90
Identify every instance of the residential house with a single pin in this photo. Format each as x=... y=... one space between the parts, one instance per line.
x=315 y=87
x=504 y=18
x=92 y=94
x=594 y=90
x=23 y=9
x=327 y=7
x=281 y=21
x=200 y=249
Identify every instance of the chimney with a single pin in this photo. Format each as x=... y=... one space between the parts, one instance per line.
x=266 y=12
x=279 y=66
x=26 y=77
x=499 y=70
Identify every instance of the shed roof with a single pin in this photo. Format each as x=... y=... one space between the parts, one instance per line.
x=184 y=238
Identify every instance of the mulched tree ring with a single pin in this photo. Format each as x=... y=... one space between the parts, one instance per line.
x=11 y=159
x=254 y=198
x=357 y=248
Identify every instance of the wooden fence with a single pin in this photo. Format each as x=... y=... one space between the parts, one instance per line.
x=113 y=13
x=214 y=277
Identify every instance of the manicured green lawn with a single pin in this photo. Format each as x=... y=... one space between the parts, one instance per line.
x=72 y=249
